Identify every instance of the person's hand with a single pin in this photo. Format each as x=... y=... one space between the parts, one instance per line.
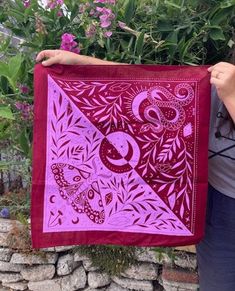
x=51 y=57
x=223 y=77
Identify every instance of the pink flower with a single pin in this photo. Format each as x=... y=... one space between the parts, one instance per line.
x=112 y=2
x=105 y=21
x=26 y=109
x=60 y=13
x=121 y=24
x=68 y=43
x=67 y=38
x=106 y=16
x=108 y=34
x=26 y=3
x=24 y=89
x=52 y=4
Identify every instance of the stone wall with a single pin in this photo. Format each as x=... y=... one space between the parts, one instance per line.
x=61 y=269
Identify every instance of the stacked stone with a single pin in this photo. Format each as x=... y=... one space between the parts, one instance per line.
x=60 y=269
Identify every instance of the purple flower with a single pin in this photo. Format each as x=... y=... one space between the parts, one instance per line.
x=67 y=37
x=112 y=2
x=5 y=213
x=121 y=24
x=52 y=4
x=108 y=34
x=105 y=21
x=24 y=89
x=26 y=109
x=60 y=13
x=106 y=16
x=26 y=3
x=68 y=43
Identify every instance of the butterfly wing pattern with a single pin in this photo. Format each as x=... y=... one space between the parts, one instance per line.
x=122 y=154
x=74 y=188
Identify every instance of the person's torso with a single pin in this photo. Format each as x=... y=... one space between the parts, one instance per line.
x=221 y=150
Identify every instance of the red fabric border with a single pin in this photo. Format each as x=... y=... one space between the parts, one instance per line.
x=40 y=239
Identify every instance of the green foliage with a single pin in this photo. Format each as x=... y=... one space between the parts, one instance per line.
x=18 y=203
x=111 y=259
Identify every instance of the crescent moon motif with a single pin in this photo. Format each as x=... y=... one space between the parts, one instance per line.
x=51 y=199
x=119 y=152
x=136 y=104
x=75 y=221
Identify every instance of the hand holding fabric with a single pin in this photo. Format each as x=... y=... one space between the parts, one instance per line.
x=223 y=77
x=67 y=58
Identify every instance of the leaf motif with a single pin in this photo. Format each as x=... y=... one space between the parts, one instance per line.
x=146 y=145
x=79 y=93
x=102 y=88
x=162 y=187
x=96 y=102
x=54 y=109
x=64 y=144
x=177 y=164
x=62 y=154
x=159 y=215
x=100 y=111
x=144 y=171
x=136 y=220
x=152 y=206
x=105 y=117
x=190 y=183
x=54 y=152
x=180 y=192
x=60 y=99
x=53 y=140
x=53 y=127
x=177 y=141
x=70 y=120
x=138 y=195
x=180 y=154
x=171 y=188
x=142 y=206
x=135 y=208
x=122 y=183
x=189 y=155
x=187 y=200
x=92 y=91
x=182 y=210
x=147 y=217
x=172 y=200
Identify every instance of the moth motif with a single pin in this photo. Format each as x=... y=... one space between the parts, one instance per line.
x=81 y=189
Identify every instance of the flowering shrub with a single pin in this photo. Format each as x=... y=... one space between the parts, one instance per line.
x=131 y=31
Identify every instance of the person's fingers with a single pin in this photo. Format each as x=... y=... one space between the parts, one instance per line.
x=217 y=74
x=210 y=69
x=223 y=67
x=45 y=54
x=217 y=82
x=53 y=60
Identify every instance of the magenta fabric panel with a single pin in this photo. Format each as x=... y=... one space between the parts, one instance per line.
x=120 y=155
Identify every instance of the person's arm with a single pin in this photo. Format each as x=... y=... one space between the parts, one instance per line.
x=51 y=57
x=223 y=77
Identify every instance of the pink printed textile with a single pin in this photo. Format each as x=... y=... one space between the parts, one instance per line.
x=120 y=155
